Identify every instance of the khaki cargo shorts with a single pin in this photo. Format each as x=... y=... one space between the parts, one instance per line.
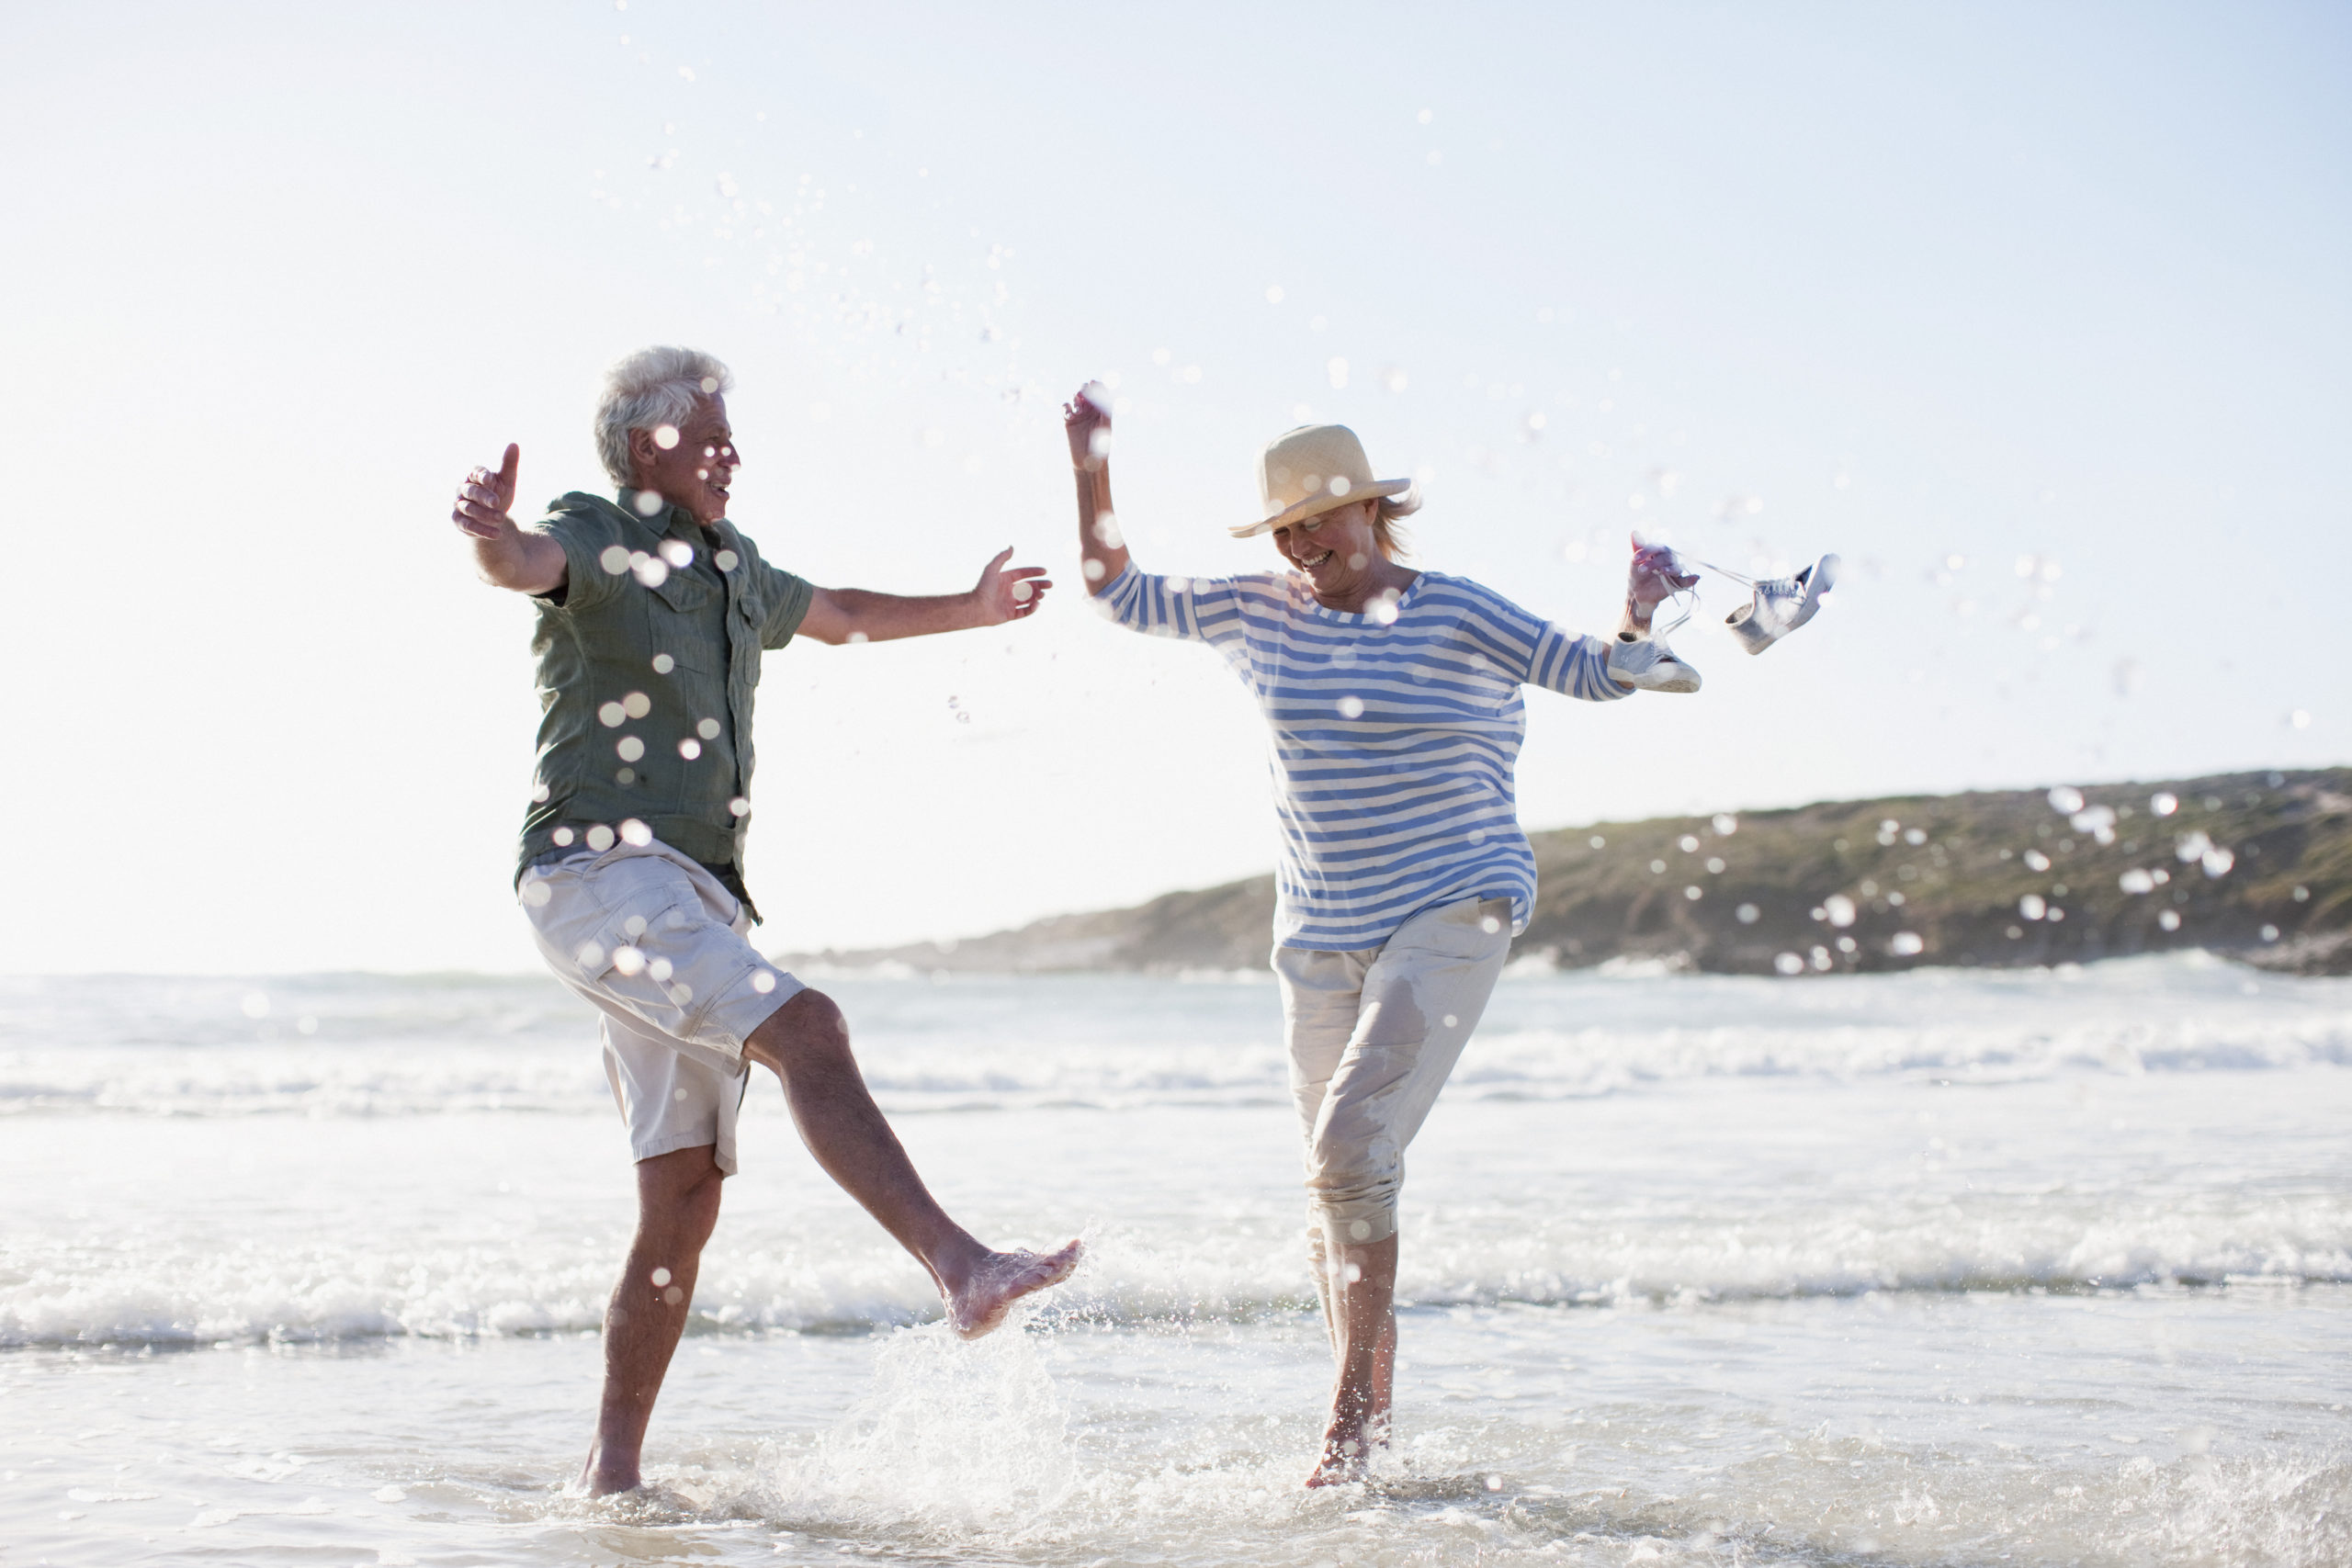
x=657 y=946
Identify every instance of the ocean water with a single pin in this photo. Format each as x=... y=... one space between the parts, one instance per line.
x=2049 y=1267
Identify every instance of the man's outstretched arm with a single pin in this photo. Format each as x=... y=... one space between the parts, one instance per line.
x=859 y=614
x=506 y=556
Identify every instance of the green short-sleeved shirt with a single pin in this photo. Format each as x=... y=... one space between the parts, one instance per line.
x=648 y=659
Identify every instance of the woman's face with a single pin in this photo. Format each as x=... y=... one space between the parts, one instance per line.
x=1335 y=551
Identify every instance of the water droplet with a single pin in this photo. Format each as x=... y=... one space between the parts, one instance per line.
x=1273 y=294
x=1725 y=824
x=661 y=1276
x=1748 y=914
x=615 y=560
x=663 y=664
x=740 y=807
x=2169 y=921
x=562 y=836
x=674 y=1294
x=648 y=501
x=707 y=728
x=2032 y=907
x=610 y=715
x=1488 y=924
x=636 y=832
x=2065 y=800
x=726 y=561
x=600 y=838
x=1788 y=964
x=631 y=747
x=690 y=748
x=255 y=1005
x=591 y=956
x=678 y=553
x=1695 y=893
x=762 y=982
x=1598 y=841
x=1350 y=708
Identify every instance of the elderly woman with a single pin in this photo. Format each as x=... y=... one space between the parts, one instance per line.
x=1392 y=697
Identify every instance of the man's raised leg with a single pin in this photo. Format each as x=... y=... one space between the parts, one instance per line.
x=677 y=1204
x=806 y=1044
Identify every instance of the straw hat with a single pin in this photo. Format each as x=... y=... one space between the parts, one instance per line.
x=1305 y=472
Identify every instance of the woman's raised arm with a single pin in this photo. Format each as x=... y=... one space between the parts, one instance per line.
x=1087 y=419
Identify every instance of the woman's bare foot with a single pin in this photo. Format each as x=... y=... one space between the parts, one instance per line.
x=980 y=1301
x=1348 y=1447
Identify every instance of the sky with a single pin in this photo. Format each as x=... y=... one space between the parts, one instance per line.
x=2039 y=316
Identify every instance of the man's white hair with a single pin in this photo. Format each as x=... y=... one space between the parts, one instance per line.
x=652 y=388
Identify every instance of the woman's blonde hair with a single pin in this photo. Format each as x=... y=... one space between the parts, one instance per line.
x=1387 y=536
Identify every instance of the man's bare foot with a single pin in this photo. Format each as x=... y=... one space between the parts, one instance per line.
x=979 y=1303
x=601 y=1479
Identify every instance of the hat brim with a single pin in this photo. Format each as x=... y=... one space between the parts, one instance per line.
x=1318 y=505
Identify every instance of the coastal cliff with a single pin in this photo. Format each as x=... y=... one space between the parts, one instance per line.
x=2255 y=865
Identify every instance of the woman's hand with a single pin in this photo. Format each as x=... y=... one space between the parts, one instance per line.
x=1086 y=419
x=1655 y=577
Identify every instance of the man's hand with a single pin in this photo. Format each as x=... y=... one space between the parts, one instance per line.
x=1086 y=419
x=485 y=499
x=1002 y=596
x=837 y=616
x=508 y=556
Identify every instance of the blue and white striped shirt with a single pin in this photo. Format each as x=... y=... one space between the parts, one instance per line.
x=1394 y=737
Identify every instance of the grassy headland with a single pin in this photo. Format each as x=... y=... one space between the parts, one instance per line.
x=2255 y=865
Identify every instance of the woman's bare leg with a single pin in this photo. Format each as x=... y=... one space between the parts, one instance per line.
x=1360 y=1304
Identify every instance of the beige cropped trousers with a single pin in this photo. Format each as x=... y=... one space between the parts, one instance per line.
x=1373 y=1035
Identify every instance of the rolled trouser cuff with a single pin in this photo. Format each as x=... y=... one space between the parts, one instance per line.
x=1355 y=1221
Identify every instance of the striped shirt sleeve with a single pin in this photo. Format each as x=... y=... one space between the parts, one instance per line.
x=1575 y=666
x=1192 y=609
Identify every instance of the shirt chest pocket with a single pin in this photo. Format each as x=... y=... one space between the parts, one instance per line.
x=685 y=620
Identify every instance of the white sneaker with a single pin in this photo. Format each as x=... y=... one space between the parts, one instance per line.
x=1782 y=605
x=1648 y=664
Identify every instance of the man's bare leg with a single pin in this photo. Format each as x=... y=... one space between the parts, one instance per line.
x=677 y=1204
x=806 y=1044
x=1360 y=1306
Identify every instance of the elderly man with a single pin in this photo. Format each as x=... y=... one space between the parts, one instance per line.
x=652 y=613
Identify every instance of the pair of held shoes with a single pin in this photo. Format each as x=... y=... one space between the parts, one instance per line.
x=1780 y=606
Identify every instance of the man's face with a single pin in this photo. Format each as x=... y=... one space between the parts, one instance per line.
x=695 y=466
